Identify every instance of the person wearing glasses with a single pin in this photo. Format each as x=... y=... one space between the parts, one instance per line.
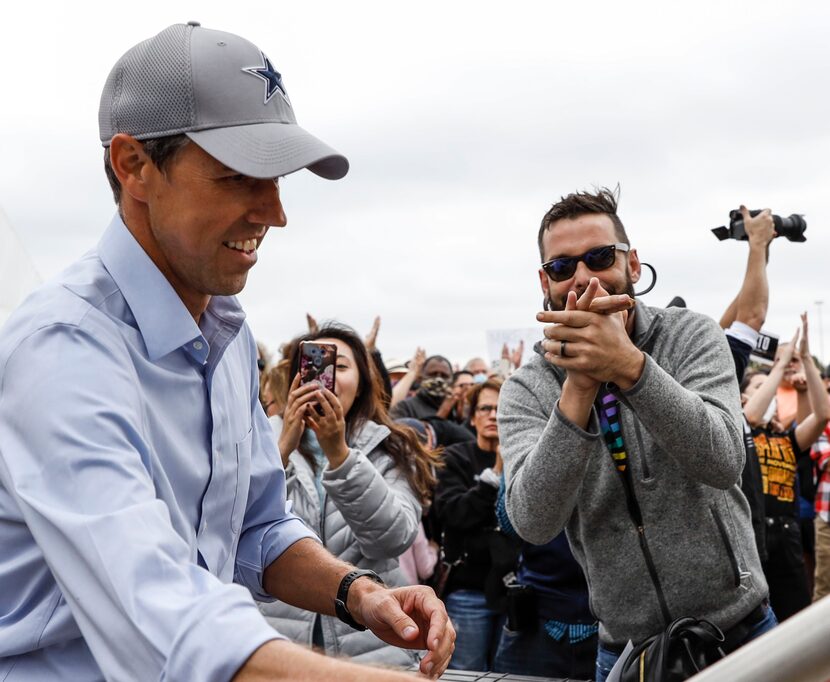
x=465 y=505
x=625 y=429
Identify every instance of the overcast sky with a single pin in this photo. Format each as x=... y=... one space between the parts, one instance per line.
x=463 y=122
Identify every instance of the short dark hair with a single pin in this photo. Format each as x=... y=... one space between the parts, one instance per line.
x=161 y=151
x=439 y=358
x=601 y=201
x=750 y=375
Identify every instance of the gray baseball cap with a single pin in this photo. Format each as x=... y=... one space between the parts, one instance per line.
x=223 y=93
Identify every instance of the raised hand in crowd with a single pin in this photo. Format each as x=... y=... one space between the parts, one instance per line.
x=750 y=305
x=400 y=391
x=454 y=405
x=372 y=336
x=819 y=405
x=760 y=229
x=759 y=392
x=758 y=401
x=516 y=355
x=798 y=378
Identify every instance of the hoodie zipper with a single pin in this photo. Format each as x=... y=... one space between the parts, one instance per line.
x=636 y=515
x=730 y=553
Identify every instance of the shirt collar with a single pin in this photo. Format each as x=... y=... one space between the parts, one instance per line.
x=162 y=318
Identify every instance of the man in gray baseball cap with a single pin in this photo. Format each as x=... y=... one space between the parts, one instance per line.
x=142 y=497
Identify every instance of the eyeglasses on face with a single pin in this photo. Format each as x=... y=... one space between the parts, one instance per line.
x=598 y=258
x=486 y=409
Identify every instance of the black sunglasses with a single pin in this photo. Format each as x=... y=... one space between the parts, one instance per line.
x=599 y=258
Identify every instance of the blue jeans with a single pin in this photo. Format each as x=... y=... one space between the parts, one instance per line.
x=537 y=653
x=606 y=659
x=476 y=628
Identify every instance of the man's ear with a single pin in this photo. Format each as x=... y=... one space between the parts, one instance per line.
x=634 y=265
x=543 y=280
x=130 y=164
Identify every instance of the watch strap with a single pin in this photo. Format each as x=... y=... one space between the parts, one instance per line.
x=340 y=608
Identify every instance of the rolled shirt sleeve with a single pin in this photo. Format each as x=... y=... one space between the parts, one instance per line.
x=269 y=528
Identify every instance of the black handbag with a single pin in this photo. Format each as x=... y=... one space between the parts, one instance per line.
x=685 y=648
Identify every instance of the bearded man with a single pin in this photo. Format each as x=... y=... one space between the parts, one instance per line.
x=625 y=429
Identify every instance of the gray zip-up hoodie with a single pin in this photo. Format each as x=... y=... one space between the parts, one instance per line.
x=682 y=428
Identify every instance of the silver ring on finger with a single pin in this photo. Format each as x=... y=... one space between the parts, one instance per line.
x=562 y=352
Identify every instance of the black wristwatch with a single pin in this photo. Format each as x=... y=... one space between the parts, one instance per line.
x=343 y=592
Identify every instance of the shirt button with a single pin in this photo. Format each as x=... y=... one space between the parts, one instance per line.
x=197 y=345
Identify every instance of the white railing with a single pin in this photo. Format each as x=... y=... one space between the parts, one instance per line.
x=798 y=650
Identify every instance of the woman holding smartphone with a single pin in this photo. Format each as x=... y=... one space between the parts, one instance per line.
x=356 y=478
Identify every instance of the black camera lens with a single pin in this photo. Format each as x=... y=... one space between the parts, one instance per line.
x=792 y=227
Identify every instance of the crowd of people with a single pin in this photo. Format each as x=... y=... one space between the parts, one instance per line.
x=523 y=606
x=190 y=506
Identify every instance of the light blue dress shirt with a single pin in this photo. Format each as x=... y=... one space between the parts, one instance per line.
x=139 y=480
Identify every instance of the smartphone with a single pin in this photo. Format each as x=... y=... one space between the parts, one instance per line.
x=317 y=363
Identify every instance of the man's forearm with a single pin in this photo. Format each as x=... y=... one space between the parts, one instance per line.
x=759 y=401
x=401 y=389
x=729 y=314
x=283 y=660
x=306 y=575
x=576 y=404
x=753 y=298
x=818 y=398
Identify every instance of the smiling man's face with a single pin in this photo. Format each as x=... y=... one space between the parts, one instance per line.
x=206 y=222
x=576 y=236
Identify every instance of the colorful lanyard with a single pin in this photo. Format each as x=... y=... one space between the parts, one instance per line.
x=609 y=421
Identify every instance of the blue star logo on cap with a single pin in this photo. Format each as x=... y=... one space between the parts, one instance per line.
x=272 y=78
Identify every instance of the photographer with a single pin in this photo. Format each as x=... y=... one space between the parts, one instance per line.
x=780 y=447
x=742 y=321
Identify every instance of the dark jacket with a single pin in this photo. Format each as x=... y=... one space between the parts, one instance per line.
x=466 y=510
x=419 y=406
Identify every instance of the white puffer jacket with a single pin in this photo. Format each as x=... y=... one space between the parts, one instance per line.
x=369 y=517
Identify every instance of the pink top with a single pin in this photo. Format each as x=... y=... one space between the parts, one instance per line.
x=418 y=562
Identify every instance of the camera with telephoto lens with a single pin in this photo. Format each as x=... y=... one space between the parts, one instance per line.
x=792 y=227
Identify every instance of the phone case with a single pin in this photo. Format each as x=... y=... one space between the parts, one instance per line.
x=317 y=363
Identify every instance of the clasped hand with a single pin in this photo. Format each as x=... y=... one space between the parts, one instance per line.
x=596 y=342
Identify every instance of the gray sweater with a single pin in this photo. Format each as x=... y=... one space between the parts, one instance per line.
x=682 y=428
